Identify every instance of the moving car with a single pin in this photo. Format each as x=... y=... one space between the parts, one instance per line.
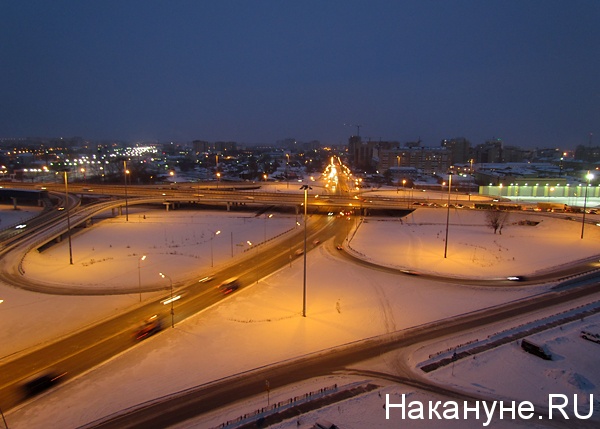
x=151 y=326
x=229 y=286
x=42 y=382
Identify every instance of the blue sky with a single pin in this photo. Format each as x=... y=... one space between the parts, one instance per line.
x=525 y=71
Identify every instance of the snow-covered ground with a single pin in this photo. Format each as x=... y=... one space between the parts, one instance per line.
x=344 y=303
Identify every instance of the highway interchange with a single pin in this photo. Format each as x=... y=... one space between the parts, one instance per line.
x=88 y=348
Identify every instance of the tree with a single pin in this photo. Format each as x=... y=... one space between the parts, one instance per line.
x=496 y=219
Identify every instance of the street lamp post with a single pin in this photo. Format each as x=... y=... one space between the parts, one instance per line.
x=126 y=204
x=3 y=419
x=287 y=166
x=68 y=217
x=172 y=309
x=140 y=275
x=305 y=188
x=448 y=215
x=267 y=217
x=589 y=176
x=214 y=234
x=471 y=177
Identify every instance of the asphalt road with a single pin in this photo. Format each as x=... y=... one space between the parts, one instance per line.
x=84 y=350
x=206 y=398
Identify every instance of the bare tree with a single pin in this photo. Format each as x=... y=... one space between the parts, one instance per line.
x=496 y=219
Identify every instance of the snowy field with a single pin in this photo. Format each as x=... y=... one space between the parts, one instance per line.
x=344 y=303
x=416 y=242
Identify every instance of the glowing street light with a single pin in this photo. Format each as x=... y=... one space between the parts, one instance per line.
x=589 y=176
x=68 y=217
x=305 y=188
x=143 y=258
x=172 y=309
x=448 y=215
x=214 y=234
x=267 y=217
x=287 y=166
x=125 y=173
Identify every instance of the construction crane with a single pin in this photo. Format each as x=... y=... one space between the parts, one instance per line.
x=357 y=128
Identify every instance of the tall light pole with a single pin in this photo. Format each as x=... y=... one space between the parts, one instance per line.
x=172 y=309
x=267 y=217
x=287 y=166
x=126 y=204
x=3 y=419
x=448 y=214
x=217 y=169
x=305 y=188
x=471 y=179
x=140 y=275
x=68 y=217
x=214 y=234
x=589 y=176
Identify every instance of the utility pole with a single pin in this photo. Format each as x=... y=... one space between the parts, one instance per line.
x=305 y=188
x=67 y=204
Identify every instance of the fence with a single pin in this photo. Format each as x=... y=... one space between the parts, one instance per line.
x=278 y=405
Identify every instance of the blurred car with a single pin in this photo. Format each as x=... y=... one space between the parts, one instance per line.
x=150 y=326
x=229 y=286
x=42 y=382
x=175 y=297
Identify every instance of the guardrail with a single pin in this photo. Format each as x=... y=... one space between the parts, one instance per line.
x=296 y=400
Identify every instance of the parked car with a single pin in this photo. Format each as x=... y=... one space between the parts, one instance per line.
x=150 y=326
x=586 y=335
x=535 y=349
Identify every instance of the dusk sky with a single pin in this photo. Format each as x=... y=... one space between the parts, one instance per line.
x=525 y=71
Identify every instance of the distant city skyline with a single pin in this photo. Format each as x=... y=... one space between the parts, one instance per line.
x=258 y=72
